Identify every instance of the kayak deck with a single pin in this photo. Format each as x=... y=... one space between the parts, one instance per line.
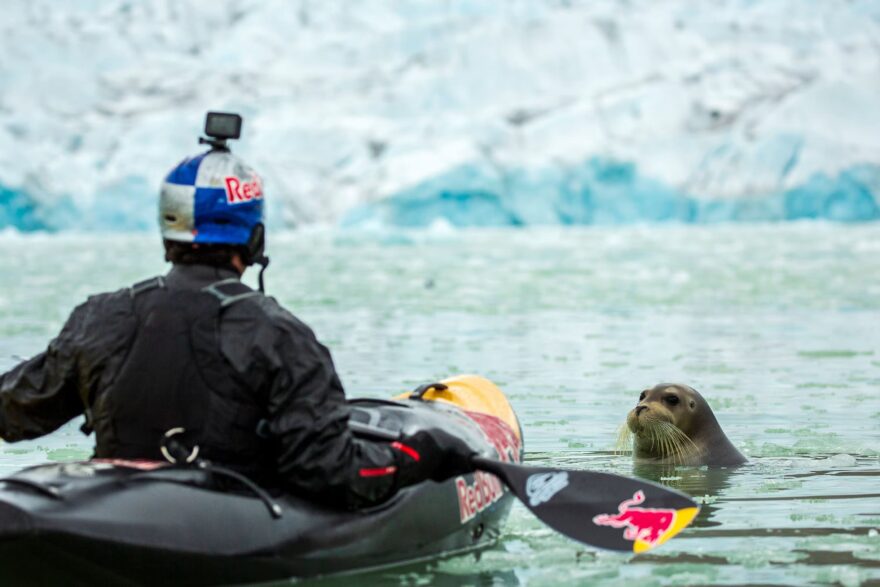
x=102 y=522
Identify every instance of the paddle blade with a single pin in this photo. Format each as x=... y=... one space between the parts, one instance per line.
x=600 y=509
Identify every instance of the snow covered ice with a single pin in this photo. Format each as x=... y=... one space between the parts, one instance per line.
x=465 y=112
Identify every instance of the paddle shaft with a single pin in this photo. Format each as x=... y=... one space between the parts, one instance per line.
x=491 y=466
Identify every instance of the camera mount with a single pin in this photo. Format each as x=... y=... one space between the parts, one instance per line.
x=220 y=127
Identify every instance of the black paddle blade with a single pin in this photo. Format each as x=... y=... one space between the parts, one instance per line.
x=600 y=509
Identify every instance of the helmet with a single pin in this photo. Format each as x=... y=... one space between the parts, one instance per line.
x=213 y=198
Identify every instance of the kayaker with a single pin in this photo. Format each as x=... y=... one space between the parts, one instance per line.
x=199 y=353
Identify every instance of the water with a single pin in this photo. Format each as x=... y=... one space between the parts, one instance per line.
x=777 y=326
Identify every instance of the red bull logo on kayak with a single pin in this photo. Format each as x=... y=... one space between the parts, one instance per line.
x=486 y=489
x=647 y=525
x=477 y=496
x=239 y=192
x=502 y=438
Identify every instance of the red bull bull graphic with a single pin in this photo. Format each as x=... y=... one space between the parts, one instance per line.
x=646 y=527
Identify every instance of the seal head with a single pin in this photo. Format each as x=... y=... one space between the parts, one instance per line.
x=672 y=424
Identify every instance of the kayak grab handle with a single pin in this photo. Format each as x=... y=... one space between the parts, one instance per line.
x=419 y=392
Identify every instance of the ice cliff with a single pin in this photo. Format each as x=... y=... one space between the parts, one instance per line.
x=470 y=112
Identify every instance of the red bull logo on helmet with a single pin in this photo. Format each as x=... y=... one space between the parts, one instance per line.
x=646 y=525
x=239 y=191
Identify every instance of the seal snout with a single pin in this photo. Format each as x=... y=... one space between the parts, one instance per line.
x=640 y=418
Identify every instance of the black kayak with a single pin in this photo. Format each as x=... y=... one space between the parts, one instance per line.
x=128 y=522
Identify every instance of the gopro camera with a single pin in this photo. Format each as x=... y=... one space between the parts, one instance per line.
x=223 y=125
x=220 y=127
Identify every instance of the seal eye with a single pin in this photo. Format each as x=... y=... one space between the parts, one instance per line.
x=642 y=397
x=672 y=400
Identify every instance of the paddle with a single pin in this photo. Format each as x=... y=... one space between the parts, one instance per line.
x=599 y=509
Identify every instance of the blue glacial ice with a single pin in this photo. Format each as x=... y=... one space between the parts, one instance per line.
x=129 y=204
x=598 y=192
x=19 y=210
x=604 y=192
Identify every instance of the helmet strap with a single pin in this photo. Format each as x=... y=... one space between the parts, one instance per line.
x=255 y=250
x=256 y=244
x=263 y=262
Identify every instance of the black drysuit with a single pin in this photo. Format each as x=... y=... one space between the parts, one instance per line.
x=197 y=349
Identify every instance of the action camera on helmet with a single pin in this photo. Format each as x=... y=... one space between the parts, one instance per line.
x=220 y=127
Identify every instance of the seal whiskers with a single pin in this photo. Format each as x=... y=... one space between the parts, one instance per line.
x=677 y=445
x=686 y=442
x=624 y=440
x=663 y=438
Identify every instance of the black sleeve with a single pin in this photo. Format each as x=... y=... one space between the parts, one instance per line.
x=308 y=414
x=39 y=395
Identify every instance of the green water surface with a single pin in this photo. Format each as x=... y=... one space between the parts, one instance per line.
x=777 y=325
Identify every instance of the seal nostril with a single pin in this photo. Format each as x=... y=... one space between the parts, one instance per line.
x=640 y=409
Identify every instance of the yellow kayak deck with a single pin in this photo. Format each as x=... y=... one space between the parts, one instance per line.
x=473 y=394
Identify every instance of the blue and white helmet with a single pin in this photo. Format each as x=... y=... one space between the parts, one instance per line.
x=212 y=198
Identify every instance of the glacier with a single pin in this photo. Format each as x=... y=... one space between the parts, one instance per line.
x=466 y=112
x=604 y=192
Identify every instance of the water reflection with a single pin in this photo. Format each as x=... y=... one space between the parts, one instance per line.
x=463 y=570
x=703 y=483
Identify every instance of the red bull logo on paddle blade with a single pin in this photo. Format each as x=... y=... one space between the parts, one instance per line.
x=646 y=527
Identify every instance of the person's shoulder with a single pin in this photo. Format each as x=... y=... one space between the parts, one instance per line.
x=101 y=309
x=107 y=299
x=122 y=297
x=279 y=316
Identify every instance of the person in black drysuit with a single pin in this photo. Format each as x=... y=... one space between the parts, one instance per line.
x=197 y=350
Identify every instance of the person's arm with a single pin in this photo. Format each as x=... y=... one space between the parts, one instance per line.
x=40 y=394
x=309 y=416
x=318 y=455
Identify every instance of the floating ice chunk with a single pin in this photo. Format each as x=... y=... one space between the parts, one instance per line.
x=841 y=460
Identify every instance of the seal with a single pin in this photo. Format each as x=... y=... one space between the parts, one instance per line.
x=672 y=424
